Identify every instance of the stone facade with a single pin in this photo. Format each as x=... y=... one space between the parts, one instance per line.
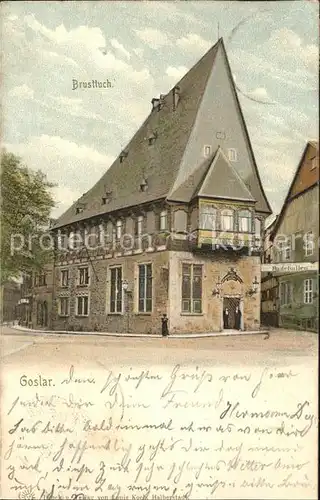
x=166 y=293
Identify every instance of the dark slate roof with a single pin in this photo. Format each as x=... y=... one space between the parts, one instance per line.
x=158 y=163
x=222 y=181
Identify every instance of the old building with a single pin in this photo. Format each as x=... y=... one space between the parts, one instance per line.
x=295 y=246
x=174 y=226
x=9 y=300
x=269 y=282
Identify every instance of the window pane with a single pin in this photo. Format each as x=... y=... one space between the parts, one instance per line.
x=186 y=305
x=186 y=269
x=79 y=305
x=186 y=287
x=148 y=305
x=85 y=305
x=141 y=305
x=197 y=288
x=197 y=306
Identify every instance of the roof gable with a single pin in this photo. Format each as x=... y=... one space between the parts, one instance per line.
x=220 y=122
x=223 y=181
x=303 y=180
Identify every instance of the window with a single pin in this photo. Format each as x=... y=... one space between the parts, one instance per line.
x=42 y=280
x=139 y=225
x=285 y=293
x=191 y=289
x=287 y=250
x=227 y=220
x=207 y=151
x=116 y=290
x=64 y=277
x=64 y=306
x=83 y=306
x=308 y=243
x=163 y=220
x=118 y=229
x=308 y=291
x=84 y=276
x=208 y=217
x=100 y=234
x=145 y=288
x=245 y=221
x=232 y=154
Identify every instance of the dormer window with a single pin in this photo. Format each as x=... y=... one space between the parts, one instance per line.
x=232 y=154
x=176 y=97
x=123 y=155
x=206 y=151
x=155 y=103
x=152 y=138
x=144 y=185
x=161 y=102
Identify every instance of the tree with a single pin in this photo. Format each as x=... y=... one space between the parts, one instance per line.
x=25 y=217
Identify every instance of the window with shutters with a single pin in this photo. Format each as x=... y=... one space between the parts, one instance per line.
x=191 y=292
x=116 y=292
x=145 y=288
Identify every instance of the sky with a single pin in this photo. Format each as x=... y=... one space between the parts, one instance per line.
x=143 y=48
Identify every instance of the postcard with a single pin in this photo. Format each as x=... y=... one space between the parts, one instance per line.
x=159 y=250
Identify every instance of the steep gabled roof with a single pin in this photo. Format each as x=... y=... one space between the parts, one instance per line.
x=223 y=181
x=158 y=163
x=314 y=181
x=177 y=149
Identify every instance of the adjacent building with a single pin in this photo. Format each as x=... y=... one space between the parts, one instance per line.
x=295 y=240
x=174 y=226
x=9 y=300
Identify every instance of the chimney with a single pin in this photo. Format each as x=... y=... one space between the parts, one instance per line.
x=176 y=96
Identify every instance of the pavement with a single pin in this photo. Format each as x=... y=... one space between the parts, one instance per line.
x=225 y=333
